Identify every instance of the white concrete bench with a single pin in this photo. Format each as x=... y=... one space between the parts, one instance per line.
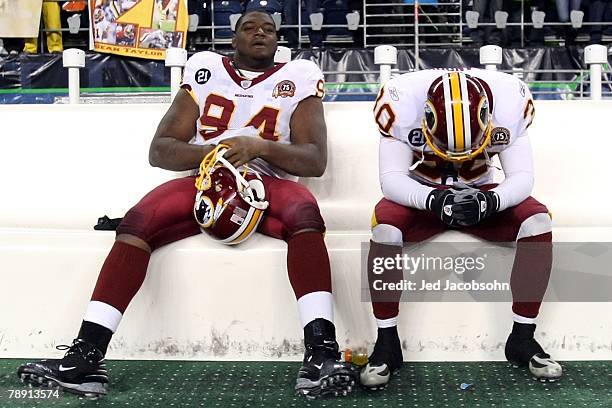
x=64 y=166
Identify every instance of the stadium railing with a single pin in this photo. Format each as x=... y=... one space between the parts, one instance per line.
x=400 y=23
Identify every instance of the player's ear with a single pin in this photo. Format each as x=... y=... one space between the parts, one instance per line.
x=234 y=41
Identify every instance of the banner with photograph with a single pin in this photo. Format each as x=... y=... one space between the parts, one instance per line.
x=137 y=28
x=19 y=21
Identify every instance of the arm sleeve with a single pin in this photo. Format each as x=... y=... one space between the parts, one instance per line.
x=517 y=164
x=395 y=161
x=191 y=71
x=312 y=82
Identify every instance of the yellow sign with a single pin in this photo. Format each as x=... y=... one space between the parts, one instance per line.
x=19 y=21
x=138 y=28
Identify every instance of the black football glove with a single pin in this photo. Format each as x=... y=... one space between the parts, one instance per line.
x=441 y=202
x=472 y=205
x=462 y=206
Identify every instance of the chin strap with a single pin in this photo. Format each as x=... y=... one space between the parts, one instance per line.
x=489 y=162
x=421 y=160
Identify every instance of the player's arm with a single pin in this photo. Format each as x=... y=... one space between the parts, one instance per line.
x=517 y=159
x=305 y=156
x=517 y=164
x=395 y=159
x=170 y=148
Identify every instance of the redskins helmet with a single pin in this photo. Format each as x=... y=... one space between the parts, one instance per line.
x=457 y=121
x=228 y=205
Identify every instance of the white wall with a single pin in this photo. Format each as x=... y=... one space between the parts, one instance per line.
x=79 y=162
x=61 y=167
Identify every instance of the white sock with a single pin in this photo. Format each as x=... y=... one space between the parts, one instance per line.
x=523 y=319
x=316 y=305
x=384 y=323
x=103 y=314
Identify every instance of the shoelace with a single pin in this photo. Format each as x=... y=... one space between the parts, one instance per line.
x=83 y=349
x=329 y=350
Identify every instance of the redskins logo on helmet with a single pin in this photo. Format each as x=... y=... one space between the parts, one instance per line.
x=457 y=122
x=228 y=205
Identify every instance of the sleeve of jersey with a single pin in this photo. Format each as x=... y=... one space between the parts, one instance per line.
x=517 y=164
x=312 y=82
x=528 y=110
x=389 y=121
x=189 y=83
x=394 y=165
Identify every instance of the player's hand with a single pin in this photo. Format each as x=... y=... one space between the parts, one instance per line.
x=462 y=206
x=243 y=149
x=440 y=202
x=472 y=205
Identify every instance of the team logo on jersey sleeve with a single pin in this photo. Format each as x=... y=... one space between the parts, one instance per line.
x=500 y=136
x=284 y=89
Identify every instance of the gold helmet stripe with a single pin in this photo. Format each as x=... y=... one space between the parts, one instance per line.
x=457 y=107
x=467 y=123
x=250 y=228
x=450 y=133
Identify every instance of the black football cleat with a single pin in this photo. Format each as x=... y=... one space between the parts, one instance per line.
x=386 y=359
x=323 y=373
x=522 y=350
x=82 y=371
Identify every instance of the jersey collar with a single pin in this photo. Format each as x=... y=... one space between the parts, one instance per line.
x=241 y=81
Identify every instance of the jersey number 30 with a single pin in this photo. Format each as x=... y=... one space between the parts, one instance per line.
x=218 y=112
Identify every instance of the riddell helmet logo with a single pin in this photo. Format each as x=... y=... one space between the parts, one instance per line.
x=284 y=89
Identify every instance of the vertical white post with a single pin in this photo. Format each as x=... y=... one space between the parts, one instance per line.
x=299 y=16
x=73 y=59
x=417 y=62
x=385 y=56
x=175 y=59
x=365 y=26
x=283 y=55
x=490 y=56
x=595 y=56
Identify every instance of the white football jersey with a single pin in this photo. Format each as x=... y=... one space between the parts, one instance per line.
x=399 y=111
x=230 y=103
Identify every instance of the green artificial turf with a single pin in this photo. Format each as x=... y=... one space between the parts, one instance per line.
x=270 y=384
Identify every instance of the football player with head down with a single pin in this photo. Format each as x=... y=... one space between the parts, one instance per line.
x=230 y=111
x=438 y=133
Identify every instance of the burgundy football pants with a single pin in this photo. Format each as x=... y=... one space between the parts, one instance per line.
x=165 y=215
x=532 y=263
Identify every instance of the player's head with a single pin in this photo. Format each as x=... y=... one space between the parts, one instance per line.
x=129 y=31
x=255 y=36
x=457 y=121
x=98 y=15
